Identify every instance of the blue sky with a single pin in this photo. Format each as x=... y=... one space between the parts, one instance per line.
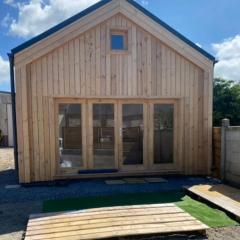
x=213 y=24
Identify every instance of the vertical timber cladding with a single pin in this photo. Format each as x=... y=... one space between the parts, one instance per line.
x=84 y=67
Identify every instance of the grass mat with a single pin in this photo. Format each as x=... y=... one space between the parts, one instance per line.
x=206 y=214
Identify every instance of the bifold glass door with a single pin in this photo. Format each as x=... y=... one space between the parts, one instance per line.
x=123 y=135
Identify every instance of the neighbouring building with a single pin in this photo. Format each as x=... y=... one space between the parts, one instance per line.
x=6 y=119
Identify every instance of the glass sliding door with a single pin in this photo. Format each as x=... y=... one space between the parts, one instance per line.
x=70 y=135
x=132 y=134
x=163 y=125
x=103 y=136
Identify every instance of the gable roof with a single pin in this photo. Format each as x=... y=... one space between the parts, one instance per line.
x=99 y=5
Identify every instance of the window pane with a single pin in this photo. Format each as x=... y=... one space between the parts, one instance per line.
x=132 y=134
x=117 y=42
x=163 y=133
x=70 y=135
x=103 y=136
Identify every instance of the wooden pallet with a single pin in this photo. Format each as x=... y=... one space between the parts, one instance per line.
x=223 y=196
x=108 y=222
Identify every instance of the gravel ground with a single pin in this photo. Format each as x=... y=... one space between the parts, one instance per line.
x=17 y=204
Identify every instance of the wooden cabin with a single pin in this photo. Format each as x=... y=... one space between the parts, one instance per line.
x=112 y=91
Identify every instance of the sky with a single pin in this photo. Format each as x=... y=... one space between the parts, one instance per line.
x=213 y=25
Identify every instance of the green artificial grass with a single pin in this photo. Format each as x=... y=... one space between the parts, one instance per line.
x=206 y=214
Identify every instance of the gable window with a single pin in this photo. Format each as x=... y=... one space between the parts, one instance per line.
x=119 y=40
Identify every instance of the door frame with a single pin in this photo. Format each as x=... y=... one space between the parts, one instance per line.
x=72 y=170
x=135 y=167
x=90 y=102
x=164 y=166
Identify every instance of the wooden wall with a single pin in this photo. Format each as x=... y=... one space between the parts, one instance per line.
x=84 y=67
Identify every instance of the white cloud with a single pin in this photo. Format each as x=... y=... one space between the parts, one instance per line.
x=36 y=16
x=228 y=54
x=4 y=71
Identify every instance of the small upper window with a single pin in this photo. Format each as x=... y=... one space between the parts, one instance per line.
x=118 y=40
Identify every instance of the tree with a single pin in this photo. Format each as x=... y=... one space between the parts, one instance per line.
x=226 y=101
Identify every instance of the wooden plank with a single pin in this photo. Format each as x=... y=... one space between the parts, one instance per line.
x=98 y=60
x=39 y=215
x=71 y=59
x=47 y=159
x=25 y=123
x=33 y=230
x=134 y=61
x=19 y=125
x=55 y=73
x=40 y=120
x=66 y=70
x=103 y=58
x=51 y=113
x=77 y=76
x=129 y=231
x=105 y=222
x=93 y=62
x=60 y=70
x=223 y=196
x=82 y=66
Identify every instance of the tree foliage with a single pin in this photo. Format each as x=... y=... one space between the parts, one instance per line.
x=226 y=101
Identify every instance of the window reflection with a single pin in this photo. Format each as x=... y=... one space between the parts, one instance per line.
x=163 y=133
x=70 y=135
x=132 y=134
x=103 y=136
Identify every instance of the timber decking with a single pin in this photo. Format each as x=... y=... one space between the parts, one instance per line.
x=223 y=196
x=108 y=222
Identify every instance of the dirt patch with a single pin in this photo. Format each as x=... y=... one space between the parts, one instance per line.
x=8 y=175
x=225 y=233
x=6 y=159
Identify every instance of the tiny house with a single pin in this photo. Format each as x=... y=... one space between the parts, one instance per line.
x=112 y=91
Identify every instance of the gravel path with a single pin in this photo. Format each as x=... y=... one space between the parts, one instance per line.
x=17 y=204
